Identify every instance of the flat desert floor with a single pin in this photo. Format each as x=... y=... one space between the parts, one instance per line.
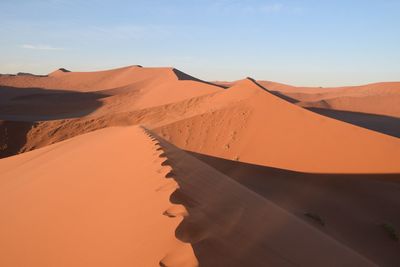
x=153 y=167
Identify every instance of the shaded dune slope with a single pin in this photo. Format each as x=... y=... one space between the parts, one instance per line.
x=229 y=225
x=352 y=207
x=13 y=137
x=379 y=123
x=37 y=104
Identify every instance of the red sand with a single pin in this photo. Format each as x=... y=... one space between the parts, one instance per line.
x=89 y=201
x=260 y=128
x=376 y=98
x=114 y=197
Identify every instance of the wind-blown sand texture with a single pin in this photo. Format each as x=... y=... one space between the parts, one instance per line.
x=153 y=167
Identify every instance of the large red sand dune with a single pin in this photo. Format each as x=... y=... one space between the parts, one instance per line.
x=102 y=199
x=238 y=173
x=263 y=129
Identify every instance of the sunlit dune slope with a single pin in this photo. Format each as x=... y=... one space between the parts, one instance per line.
x=115 y=197
x=245 y=122
x=75 y=94
x=261 y=128
x=153 y=167
x=94 y=200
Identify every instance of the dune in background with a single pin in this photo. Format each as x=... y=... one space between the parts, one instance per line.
x=260 y=128
x=372 y=106
x=153 y=167
x=376 y=98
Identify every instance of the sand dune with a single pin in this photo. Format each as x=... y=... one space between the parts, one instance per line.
x=88 y=81
x=263 y=129
x=118 y=90
x=89 y=201
x=153 y=167
x=229 y=225
x=343 y=202
x=376 y=98
x=71 y=211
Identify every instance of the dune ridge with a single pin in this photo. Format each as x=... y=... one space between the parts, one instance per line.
x=257 y=118
x=81 y=204
x=145 y=166
x=217 y=222
x=262 y=113
x=100 y=80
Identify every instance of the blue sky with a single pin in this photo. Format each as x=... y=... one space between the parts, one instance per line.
x=302 y=42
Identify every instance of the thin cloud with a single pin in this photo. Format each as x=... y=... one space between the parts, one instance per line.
x=40 y=47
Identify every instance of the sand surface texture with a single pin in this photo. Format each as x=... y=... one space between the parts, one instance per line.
x=153 y=167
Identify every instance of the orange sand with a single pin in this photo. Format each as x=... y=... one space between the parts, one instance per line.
x=196 y=173
x=376 y=98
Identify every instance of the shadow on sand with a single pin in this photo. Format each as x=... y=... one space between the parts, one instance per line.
x=22 y=108
x=34 y=104
x=352 y=206
x=379 y=123
x=13 y=136
x=186 y=77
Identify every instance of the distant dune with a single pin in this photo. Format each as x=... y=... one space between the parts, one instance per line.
x=376 y=98
x=144 y=166
x=260 y=128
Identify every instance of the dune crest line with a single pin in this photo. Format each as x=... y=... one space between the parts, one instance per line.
x=181 y=255
x=98 y=199
x=139 y=166
x=230 y=225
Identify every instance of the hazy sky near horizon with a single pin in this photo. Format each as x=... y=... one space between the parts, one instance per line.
x=304 y=42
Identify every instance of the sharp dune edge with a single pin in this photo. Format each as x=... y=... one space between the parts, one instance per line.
x=144 y=166
x=95 y=200
x=117 y=207
x=291 y=136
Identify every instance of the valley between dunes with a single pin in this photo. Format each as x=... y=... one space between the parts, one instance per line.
x=153 y=167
